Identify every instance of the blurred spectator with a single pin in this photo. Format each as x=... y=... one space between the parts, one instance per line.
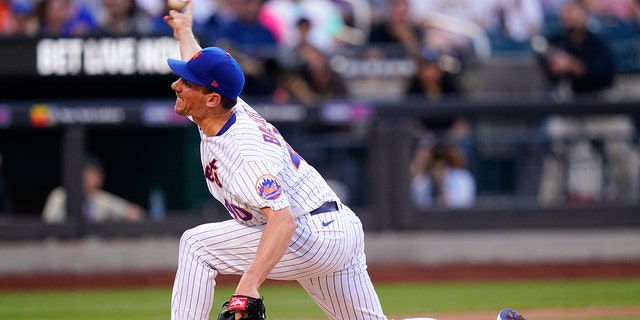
x=450 y=26
x=290 y=56
x=433 y=84
x=466 y=10
x=261 y=75
x=591 y=158
x=440 y=178
x=7 y=21
x=17 y=18
x=159 y=27
x=253 y=45
x=313 y=81
x=223 y=12
x=327 y=25
x=396 y=34
x=518 y=20
x=432 y=81
x=304 y=28
x=63 y=18
x=456 y=131
x=246 y=33
x=25 y=21
x=551 y=12
x=346 y=9
x=577 y=58
x=379 y=9
x=99 y=206
x=122 y=18
x=209 y=31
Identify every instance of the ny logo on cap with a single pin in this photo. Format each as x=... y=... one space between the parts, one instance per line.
x=196 y=55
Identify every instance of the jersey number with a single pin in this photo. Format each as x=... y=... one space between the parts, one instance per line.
x=296 y=159
x=237 y=212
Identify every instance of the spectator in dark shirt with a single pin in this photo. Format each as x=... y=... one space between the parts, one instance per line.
x=591 y=158
x=253 y=45
x=577 y=56
x=312 y=80
x=246 y=33
x=431 y=81
x=397 y=31
x=64 y=18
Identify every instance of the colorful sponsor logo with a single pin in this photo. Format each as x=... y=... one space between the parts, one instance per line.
x=268 y=187
x=39 y=116
x=44 y=115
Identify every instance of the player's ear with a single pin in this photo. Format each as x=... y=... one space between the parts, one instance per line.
x=213 y=99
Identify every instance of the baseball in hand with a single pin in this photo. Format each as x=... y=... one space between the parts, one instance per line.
x=176 y=4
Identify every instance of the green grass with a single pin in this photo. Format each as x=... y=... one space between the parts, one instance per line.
x=290 y=302
x=438 y=298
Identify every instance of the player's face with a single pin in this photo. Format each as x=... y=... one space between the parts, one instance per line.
x=190 y=98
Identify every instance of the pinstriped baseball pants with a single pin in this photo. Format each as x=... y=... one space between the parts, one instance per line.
x=326 y=256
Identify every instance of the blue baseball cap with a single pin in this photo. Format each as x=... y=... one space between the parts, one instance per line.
x=213 y=68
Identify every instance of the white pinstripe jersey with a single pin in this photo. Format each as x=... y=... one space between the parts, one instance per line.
x=248 y=165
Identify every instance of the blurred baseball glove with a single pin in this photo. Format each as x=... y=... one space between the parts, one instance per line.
x=252 y=307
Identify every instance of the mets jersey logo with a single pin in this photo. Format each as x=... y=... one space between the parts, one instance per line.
x=268 y=187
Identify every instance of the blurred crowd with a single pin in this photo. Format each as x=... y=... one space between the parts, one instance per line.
x=288 y=50
x=413 y=23
x=286 y=46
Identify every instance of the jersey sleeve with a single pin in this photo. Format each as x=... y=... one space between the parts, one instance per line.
x=259 y=184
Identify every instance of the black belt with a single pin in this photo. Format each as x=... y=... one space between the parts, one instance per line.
x=325 y=207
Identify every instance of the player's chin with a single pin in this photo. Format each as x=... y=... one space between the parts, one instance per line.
x=181 y=113
x=179 y=109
